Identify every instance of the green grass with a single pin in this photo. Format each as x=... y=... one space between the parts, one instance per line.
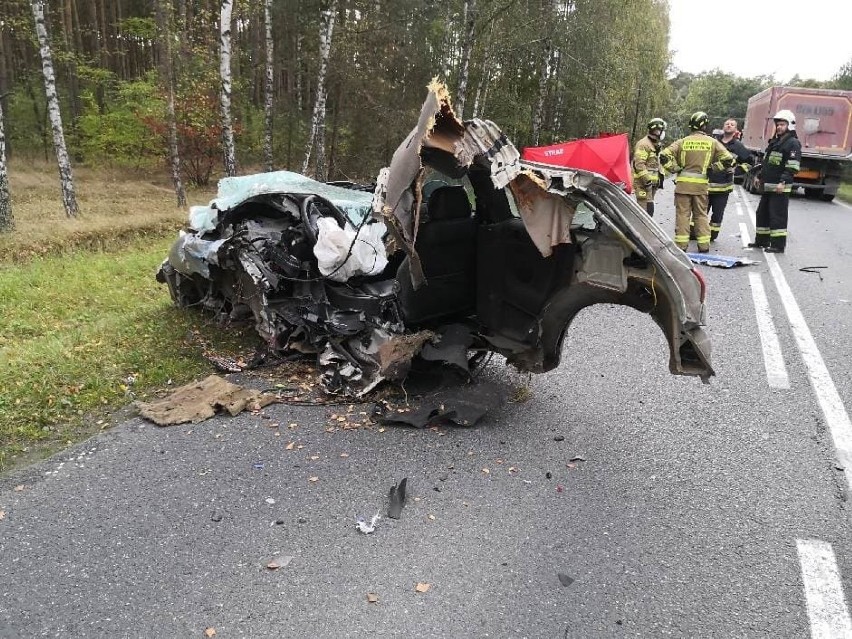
x=81 y=312
x=845 y=192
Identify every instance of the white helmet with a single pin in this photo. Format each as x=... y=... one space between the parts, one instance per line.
x=788 y=117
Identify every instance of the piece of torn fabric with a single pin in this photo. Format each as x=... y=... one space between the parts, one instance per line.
x=461 y=406
x=720 y=261
x=547 y=216
x=198 y=401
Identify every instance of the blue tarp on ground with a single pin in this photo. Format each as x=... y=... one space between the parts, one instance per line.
x=720 y=261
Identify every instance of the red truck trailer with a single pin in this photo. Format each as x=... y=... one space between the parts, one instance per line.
x=824 y=127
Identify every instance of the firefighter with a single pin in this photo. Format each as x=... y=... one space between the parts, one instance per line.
x=690 y=158
x=780 y=163
x=722 y=182
x=646 y=164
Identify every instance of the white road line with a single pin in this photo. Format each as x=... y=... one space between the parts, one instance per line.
x=773 y=359
x=843 y=204
x=744 y=236
x=827 y=610
x=826 y=393
x=739 y=208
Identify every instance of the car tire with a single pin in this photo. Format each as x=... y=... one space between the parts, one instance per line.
x=826 y=197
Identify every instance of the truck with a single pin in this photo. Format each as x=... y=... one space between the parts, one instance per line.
x=824 y=127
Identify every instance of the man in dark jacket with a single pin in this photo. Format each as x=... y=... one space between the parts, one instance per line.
x=780 y=164
x=722 y=182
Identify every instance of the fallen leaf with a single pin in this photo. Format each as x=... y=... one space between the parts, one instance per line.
x=314 y=457
x=273 y=565
x=290 y=446
x=2 y=514
x=577 y=458
x=422 y=587
x=210 y=632
x=486 y=471
x=19 y=488
x=372 y=597
x=344 y=455
x=432 y=517
x=313 y=478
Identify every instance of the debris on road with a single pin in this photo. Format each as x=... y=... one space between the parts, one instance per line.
x=279 y=562
x=198 y=401
x=422 y=587
x=366 y=527
x=216 y=516
x=720 y=261
x=460 y=406
x=577 y=458
x=559 y=438
x=396 y=499
x=564 y=579
x=372 y=597
x=209 y=632
x=813 y=269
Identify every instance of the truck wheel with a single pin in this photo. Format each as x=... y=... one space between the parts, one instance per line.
x=812 y=193
x=826 y=197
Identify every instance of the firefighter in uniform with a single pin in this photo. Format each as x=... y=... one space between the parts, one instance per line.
x=780 y=163
x=722 y=182
x=646 y=164
x=691 y=157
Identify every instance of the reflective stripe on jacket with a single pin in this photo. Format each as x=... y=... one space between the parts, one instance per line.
x=781 y=161
x=646 y=162
x=691 y=158
x=723 y=181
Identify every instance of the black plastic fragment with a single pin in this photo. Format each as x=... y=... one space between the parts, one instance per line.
x=564 y=579
x=396 y=499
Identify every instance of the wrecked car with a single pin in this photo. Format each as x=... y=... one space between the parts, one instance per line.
x=460 y=250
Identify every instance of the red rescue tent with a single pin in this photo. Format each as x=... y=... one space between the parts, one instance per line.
x=607 y=155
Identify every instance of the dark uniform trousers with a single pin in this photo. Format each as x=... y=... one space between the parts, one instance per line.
x=717 y=203
x=771 y=220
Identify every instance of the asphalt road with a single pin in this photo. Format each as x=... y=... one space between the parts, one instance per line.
x=688 y=517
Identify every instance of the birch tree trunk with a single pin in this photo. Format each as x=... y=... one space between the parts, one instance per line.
x=467 y=47
x=66 y=179
x=167 y=75
x=225 y=93
x=317 y=135
x=267 y=102
x=7 y=222
x=542 y=91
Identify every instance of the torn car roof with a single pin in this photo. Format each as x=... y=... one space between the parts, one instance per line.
x=234 y=191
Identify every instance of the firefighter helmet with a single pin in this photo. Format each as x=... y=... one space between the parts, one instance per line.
x=657 y=123
x=788 y=117
x=698 y=121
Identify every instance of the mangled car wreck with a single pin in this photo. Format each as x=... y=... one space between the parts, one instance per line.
x=462 y=249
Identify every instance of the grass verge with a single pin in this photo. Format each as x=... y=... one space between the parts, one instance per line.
x=845 y=193
x=84 y=327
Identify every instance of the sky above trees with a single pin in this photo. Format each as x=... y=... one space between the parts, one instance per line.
x=783 y=38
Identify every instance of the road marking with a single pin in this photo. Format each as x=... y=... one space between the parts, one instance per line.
x=744 y=236
x=739 y=208
x=773 y=359
x=843 y=204
x=826 y=604
x=826 y=393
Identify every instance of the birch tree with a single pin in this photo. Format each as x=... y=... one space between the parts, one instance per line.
x=317 y=134
x=167 y=75
x=225 y=92
x=66 y=179
x=267 y=101
x=469 y=21
x=7 y=222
